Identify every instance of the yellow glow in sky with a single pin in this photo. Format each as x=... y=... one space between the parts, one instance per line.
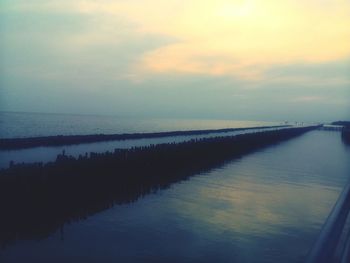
x=241 y=38
x=248 y=57
x=237 y=37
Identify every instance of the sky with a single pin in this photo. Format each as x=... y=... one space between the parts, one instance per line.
x=270 y=60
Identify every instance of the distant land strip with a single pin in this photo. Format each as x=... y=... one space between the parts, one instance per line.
x=37 y=199
x=58 y=140
x=346 y=124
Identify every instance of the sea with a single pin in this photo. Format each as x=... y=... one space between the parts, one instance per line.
x=20 y=124
x=265 y=207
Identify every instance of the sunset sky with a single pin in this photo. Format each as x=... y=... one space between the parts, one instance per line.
x=252 y=59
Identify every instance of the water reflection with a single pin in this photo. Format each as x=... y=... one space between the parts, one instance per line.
x=266 y=207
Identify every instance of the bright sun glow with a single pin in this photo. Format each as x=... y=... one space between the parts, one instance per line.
x=240 y=38
x=233 y=10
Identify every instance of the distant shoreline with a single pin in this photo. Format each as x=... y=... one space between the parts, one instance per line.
x=60 y=140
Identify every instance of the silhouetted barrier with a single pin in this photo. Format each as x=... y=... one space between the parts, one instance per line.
x=37 y=199
x=345 y=134
x=20 y=143
x=345 y=130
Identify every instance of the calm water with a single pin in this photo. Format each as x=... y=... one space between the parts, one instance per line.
x=38 y=124
x=265 y=207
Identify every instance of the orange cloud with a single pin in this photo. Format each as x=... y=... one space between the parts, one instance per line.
x=229 y=37
x=240 y=38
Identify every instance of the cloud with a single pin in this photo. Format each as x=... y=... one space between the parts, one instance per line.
x=309 y=99
x=239 y=38
x=321 y=100
x=238 y=59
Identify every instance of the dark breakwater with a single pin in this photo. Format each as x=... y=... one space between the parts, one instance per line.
x=346 y=135
x=37 y=199
x=346 y=131
x=21 y=143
